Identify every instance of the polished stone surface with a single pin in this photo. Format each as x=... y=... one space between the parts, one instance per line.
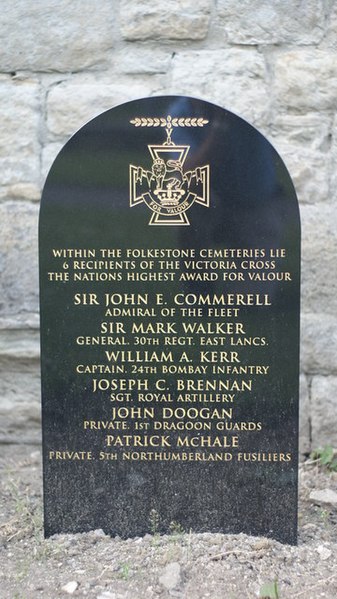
x=206 y=182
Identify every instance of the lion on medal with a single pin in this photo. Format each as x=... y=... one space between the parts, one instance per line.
x=169 y=179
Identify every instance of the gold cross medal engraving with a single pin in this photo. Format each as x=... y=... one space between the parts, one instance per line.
x=167 y=188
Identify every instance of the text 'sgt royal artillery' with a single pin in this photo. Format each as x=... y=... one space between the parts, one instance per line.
x=167 y=189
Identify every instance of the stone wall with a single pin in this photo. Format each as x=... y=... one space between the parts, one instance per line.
x=272 y=62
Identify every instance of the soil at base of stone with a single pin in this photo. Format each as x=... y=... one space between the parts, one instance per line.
x=181 y=565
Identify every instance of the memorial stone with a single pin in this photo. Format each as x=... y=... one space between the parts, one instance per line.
x=169 y=283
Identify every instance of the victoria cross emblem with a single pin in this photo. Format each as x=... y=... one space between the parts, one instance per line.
x=168 y=189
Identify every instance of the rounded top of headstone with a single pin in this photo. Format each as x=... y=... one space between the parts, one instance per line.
x=172 y=161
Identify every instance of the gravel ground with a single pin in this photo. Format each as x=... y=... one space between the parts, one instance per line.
x=186 y=566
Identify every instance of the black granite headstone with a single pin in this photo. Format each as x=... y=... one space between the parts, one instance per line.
x=169 y=269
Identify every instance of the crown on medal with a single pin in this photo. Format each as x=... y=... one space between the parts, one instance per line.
x=169 y=197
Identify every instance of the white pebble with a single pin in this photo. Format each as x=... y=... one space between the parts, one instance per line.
x=324 y=496
x=70 y=587
x=171 y=576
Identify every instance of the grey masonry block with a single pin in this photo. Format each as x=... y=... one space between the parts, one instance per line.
x=55 y=35
x=73 y=103
x=324 y=411
x=233 y=78
x=319 y=343
x=19 y=284
x=19 y=123
x=158 y=20
x=304 y=423
x=20 y=402
x=303 y=143
x=266 y=22
x=319 y=250
x=305 y=80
